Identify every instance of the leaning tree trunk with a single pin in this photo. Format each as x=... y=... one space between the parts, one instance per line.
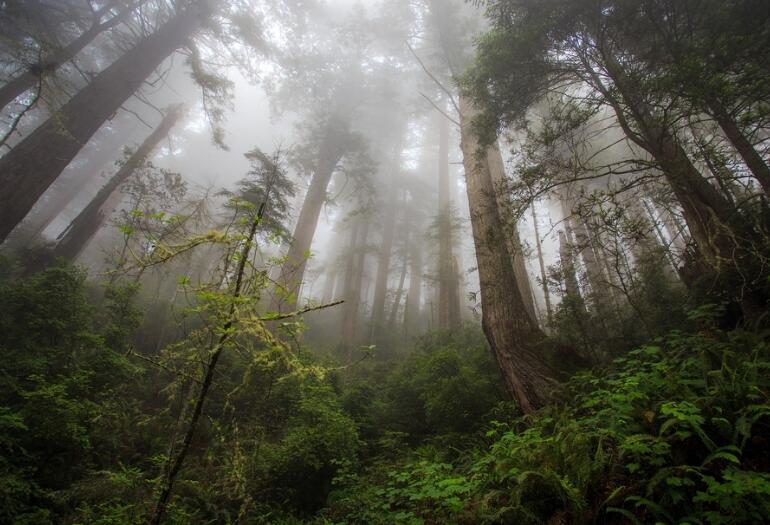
x=48 y=65
x=75 y=178
x=742 y=144
x=292 y=271
x=87 y=223
x=497 y=171
x=175 y=462
x=541 y=261
x=708 y=214
x=508 y=327
x=30 y=168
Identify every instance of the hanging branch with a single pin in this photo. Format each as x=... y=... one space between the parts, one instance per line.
x=438 y=83
x=453 y=121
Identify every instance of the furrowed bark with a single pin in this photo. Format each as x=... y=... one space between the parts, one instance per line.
x=508 y=327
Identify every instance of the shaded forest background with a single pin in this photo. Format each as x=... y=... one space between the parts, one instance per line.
x=414 y=261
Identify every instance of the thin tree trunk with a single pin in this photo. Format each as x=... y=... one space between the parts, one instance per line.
x=412 y=312
x=27 y=80
x=400 y=290
x=507 y=325
x=82 y=229
x=330 y=284
x=671 y=268
x=568 y=266
x=541 y=260
x=175 y=464
x=596 y=279
x=30 y=168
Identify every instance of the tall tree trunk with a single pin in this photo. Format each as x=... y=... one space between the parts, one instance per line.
x=508 y=327
x=292 y=271
x=497 y=171
x=76 y=177
x=671 y=267
x=30 y=168
x=412 y=310
x=400 y=290
x=91 y=218
x=594 y=272
x=353 y=280
x=541 y=260
x=568 y=266
x=332 y=269
x=49 y=64
x=674 y=229
x=383 y=262
x=742 y=144
x=448 y=292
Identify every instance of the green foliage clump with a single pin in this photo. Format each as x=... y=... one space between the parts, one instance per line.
x=448 y=384
x=62 y=377
x=674 y=432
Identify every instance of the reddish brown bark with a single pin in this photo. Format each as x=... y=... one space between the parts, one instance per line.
x=507 y=325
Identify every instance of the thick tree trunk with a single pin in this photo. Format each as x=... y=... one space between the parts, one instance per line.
x=32 y=76
x=497 y=171
x=87 y=223
x=30 y=168
x=508 y=327
x=75 y=178
x=293 y=270
x=742 y=144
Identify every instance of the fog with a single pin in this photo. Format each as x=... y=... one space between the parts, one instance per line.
x=384 y=261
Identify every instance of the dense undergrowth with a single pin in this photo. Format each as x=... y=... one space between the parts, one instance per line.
x=674 y=431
